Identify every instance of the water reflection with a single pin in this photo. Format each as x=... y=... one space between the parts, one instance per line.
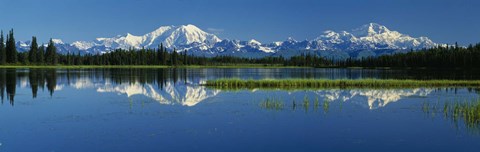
x=95 y=108
x=181 y=86
x=186 y=94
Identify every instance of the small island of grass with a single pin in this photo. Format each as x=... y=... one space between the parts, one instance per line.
x=342 y=83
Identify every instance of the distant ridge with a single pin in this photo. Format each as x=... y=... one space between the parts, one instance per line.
x=367 y=40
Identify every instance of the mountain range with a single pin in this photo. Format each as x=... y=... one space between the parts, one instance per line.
x=368 y=40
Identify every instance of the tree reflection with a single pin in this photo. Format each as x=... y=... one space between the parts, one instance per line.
x=2 y=83
x=11 y=82
x=55 y=79
x=33 y=78
x=51 y=77
x=37 y=79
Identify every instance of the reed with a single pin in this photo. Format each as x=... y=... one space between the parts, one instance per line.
x=467 y=111
x=316 y=103
x=272 y=104
x=326 y=105
x=306 y=103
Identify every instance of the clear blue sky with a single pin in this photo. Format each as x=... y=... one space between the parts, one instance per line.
x=444 y=21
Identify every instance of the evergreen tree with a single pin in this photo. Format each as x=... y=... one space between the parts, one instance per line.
x=69 y=59
x=11 y=49
x=51 y=55
x=3 y=54
x=32 y=54
x=41 y=55
x=185 y=57
x=174 y=57
x=23 y=58
x=160 y=54
x=165 y=55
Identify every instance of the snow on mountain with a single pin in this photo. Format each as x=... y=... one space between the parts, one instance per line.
x=367 y=40
x=83 y=45
x=380 y=37
x=57 y=41
x=169 y=36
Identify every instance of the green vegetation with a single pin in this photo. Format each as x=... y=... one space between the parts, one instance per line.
x=272 y=104
x=278 y=104
x=316 y=104
x=466 y=111
x=306 y=103
x=326 y=105
x=3 y=53
x=343 y=83
x=11 y=50
x=438 y=57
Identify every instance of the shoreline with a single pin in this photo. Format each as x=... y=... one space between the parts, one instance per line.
x=246 y=66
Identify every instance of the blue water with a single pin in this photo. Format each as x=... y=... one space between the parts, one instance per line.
x=167 y=110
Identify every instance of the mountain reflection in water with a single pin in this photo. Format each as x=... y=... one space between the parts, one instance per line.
x=170 y=86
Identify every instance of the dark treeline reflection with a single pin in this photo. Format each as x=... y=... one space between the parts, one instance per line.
x=39 y=79
x=50 y=79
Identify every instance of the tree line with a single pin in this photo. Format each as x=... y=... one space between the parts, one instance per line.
x=39 y=55
x=35 y=56
x=437 y=57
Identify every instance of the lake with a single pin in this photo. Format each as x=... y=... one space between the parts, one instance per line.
x=168 y=110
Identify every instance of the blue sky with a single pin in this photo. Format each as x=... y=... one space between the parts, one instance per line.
x=444 y=21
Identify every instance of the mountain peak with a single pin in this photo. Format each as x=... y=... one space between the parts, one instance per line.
x=57 y=41
x=371 y=36
x=370 y=29
x=254 y=42
x=161 y=30
x=190 y=28
x=291 y=39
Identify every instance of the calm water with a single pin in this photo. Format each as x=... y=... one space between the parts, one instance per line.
x=166 y=110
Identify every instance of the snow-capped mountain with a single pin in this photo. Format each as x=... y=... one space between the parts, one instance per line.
x=184 y=36
x=367 y=40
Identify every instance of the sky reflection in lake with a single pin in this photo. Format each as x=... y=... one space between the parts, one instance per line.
x=167 y=109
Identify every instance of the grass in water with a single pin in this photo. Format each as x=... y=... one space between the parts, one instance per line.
x=316 y=104
x=272 y=104
x=326 y=105
x=469 y=112
x=306 y=103
x=466 y=111
x=277 y=104
x=342 y=83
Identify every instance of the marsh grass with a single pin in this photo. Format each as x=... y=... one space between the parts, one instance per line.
x=326 y=105
x=272 y=104
x=466 y=111
x=306 y=103
x=342 y=83
x=316 y=104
